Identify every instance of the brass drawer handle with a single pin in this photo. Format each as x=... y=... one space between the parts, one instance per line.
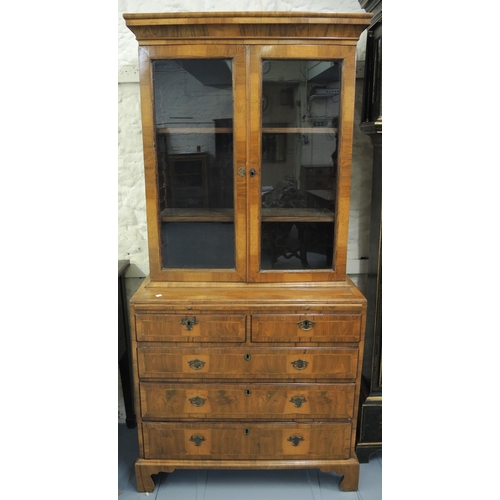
x=306 y=325
x=295 y=439
x=197 y=401
x=298 y=401
x=197 y=439
x=300 y=364
x=189 y=322
x=196 y=364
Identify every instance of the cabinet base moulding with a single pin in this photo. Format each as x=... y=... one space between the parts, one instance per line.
x=145 y=469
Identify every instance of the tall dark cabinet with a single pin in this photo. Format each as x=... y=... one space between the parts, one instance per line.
x=369 y=439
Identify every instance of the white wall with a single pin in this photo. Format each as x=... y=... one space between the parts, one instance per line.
x=132 y=229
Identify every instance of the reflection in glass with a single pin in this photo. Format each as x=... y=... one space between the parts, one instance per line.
x=300 y=116
x=194 y=138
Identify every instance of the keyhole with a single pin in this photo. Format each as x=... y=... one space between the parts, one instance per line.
x=247 y=357
x=248 y=392
x=246 y=432
x=189 y=322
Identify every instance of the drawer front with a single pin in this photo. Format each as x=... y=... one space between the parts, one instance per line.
x=190 y=328
x=246 y=401
x=237 y=363
x=241 y=441
x=306 y=328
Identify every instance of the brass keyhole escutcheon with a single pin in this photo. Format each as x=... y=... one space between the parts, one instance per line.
x=299 y=364
x=189 y=322
x=306 y=325
x=295 y=439
x=197 y=401
x=246 y=432
x=248 y=392
x=253 y=172
x=247 y=357
x=197 y=439
x=298 y=401
x=196 y=364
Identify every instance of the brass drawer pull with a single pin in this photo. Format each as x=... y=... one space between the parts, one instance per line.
x=197 y=439
x=295 y=439
x=196 y=364
x=189 y=322
x=300 y=364
x=298 y=401
x=306 y=325
x=197 y=401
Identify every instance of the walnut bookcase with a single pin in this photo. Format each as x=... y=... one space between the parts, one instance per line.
x=247 y=336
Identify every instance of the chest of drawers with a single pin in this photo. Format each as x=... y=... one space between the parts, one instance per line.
x=251 y=377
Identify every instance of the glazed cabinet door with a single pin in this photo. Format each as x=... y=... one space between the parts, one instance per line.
x=194 y=128
x=301 y=122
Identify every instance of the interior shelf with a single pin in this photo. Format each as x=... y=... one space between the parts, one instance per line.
x=197 y=215
x=197 y=130
x=227 y=215
x=299 y=130
x=296 y=215
x=265 y=130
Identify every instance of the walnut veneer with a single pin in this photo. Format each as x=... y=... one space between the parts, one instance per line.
x=246 y=368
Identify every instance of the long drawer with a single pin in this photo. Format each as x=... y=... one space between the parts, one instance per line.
x=230 y=440
x=240 y=362
x=306 y=328
x=190 y=328
x=160 y=401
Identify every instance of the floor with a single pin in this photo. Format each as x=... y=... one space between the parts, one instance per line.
x=306 y=484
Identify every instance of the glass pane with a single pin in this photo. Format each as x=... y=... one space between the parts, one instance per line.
x=202 y=245
x=194 y=135
x=300 y=116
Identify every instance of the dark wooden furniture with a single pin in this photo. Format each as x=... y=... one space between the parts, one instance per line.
x=188 y=180
x=124 y=354
x=369 y=439
x=317 y=176
x=240 y=362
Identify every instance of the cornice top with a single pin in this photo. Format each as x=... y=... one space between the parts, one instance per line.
x=162 y=27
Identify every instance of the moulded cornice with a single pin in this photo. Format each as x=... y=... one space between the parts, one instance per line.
x=163 y=28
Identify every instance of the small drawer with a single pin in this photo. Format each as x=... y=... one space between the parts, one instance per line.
x=190 y=328
x=306 y=328
x=248 y=401
x=191 y=363
x=246 y=441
